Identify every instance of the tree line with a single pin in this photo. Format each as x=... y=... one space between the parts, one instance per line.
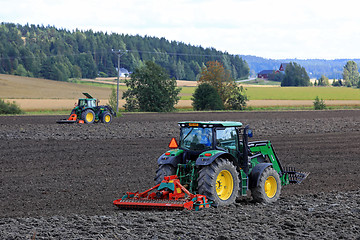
x=60 y=54
x=296 y=75
x=333 y=69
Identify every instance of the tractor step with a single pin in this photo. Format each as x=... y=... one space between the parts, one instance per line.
x=294 y=176
x=169 y=194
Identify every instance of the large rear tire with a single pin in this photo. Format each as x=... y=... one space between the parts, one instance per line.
x=219 y=182
x=163 y=171
x=269 y=187
x=88 y=116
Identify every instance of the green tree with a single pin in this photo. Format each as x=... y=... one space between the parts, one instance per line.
x=87 y=65
x=206 y=97
x=76 y=71
x=112 y=100
x=217 y=76
x=323 y=81
x=351 y=74
x=232 y=96
x=21 y=71
x=151 y=90
x=295 y=75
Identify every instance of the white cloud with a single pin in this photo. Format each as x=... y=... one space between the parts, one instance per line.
x=272 y=29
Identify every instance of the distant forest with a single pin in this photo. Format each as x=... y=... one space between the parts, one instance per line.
x=332 y=69
x=59 y=54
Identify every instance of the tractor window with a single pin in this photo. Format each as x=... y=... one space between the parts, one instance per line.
x=82 y=102
x=196 y=139
x=91 y=103
x=226 y=138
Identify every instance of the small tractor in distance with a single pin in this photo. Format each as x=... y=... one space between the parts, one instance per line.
x=215 y=160
x=88 y=111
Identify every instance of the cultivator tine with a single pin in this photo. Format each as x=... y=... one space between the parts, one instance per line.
x=150 y=204
x=296 y=177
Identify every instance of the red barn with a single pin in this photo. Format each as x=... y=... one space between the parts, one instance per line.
x=283 y=67
x=265 y=73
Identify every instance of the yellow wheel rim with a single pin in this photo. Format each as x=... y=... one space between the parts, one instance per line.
x=224 y=185
x=89 y=117
x=107 y=118
x=270 y=187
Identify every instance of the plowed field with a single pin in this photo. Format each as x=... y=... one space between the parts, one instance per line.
x=59 y=181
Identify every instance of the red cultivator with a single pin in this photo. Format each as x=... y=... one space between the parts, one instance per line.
x=169 y=194
x=72 y=119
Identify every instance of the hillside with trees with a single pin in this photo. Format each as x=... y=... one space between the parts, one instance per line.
x=60 y=54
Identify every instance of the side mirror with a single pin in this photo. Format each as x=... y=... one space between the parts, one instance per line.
x=250 y=133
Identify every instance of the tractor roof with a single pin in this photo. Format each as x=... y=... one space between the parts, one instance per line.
x=88 y=99
x=87 y=95
x=210 y=124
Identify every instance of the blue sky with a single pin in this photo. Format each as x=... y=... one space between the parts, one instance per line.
x=272 y=29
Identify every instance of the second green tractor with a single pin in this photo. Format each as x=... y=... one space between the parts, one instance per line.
x=88 y=110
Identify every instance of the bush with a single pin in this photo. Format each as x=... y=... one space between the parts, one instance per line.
x=102 y=74
x=206 y=97
x=319 y=104
x=113 y=99
x=337 y=83
x=237 y=99
x=9 y=108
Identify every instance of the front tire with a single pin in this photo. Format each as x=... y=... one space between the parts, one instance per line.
x=88 y=116
x=269 y=187
x=106 y=117
x=219 y=182
x=163 y=171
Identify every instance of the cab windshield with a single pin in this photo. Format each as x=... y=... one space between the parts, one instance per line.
x=196 y=138
x=91 y=103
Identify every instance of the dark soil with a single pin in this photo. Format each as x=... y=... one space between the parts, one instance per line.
x=59 y=181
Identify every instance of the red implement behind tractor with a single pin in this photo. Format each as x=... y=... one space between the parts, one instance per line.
x=169 y=194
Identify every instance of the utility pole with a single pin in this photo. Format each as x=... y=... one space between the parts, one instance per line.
x=119 y=53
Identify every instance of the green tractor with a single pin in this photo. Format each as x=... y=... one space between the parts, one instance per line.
x=88 y=111
x=215 y=159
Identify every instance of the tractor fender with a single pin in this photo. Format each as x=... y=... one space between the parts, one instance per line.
x=204 y=160
x=256 y=173
x=172 y=157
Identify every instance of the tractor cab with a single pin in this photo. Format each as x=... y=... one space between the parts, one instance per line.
x=87 y=102
x=199 y=137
